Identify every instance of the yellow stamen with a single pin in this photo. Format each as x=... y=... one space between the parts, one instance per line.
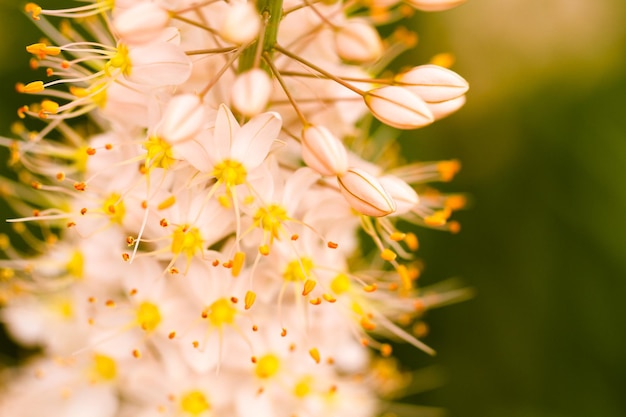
x=148 y=316
x=249 y=299
x=238 y=263
x=194 y=403
x=267 y=366
x=315 y=354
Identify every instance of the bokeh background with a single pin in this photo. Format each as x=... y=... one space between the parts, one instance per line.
x=542 y=140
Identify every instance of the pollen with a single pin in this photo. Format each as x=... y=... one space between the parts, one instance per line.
x=315 y=354
x=267 y=366
x=187 y=241
x=230 y=173
x=238 y=262
x=148 y=316
x=104 y=367
x=270 y=219
x=298 y=270
x=221 y=312
x=194 y=403
x=388 y=255
x=250 y=299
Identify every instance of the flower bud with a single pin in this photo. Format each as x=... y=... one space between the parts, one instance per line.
x=357 y=41
x=433 y=83
x=398 y=107
x=158 y=64
x=241 y=23
x=365 y=194
x=251 y=92
x=322 y=151
x=446 y=108
x=434 y=5
x=141 y=23
x=183 y=118
x=402 y=193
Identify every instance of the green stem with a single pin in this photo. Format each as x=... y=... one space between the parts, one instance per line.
x=272 y=12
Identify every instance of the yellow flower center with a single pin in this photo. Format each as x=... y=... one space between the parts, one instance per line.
x=222 y=312
x=159 y=153
x=303 y=387
x=113 y=207
x=148 y=316
x=340 y=284
x=230 y=172
x=104 y=367
x=75 y=266
x=186 y=240
x=270 y=219
x=120 y=61
x=194 y=403
x=298 y=270
x=267 y=366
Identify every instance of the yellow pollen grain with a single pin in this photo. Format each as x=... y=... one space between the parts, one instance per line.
x=309 y=285
x=167 y=203
x=148 y=316
x=194 y=403
x=250 y=298
x=411 y=241
x=34 y=87
x=397 y=236
x=238 y=262
x=50 y=106
x=315 y=354
x=267 y=366
x=388 y=255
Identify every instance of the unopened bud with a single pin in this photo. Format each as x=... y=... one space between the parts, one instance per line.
x=323 y=152
x=433 y=83
x=402 y=193
x=357 y=41
x=434 y=5
x=398 y=107
x=365 y=194
x=183 y=118
x=241 y=23
x=446 y=108
x=141 y=23
x=251 y=92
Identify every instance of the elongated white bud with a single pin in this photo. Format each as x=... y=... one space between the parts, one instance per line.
x=322 y=151
x=434 y=5
x=402 y=193
x=184 y=117
x=357 y=41
x=446 y=108
x=241 y=23
x=365 y=194
x=141 y=23
x=158 y=64
x=433 y=83
x=251 y=92
x=398 y=107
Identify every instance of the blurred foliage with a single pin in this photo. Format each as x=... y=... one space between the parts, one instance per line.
x=543 y=145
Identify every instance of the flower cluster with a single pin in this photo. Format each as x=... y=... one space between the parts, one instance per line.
x=189 y=210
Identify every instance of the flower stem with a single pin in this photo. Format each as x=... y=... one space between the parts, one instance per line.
x=272 y=11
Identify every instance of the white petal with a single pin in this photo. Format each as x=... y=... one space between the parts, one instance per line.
x=159 y=64
x=255 y=138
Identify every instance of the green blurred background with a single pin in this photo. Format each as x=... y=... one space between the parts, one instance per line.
x=542 y=140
